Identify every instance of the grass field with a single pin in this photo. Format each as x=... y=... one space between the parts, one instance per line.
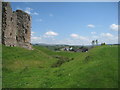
x=97 y=68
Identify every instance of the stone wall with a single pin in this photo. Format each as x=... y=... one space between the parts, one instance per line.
x=16 y=27
x=8 y=31
x=23 y=28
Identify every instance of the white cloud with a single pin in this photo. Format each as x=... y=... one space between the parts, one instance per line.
x=114 y=27
x=48 y=38
x=70 y=41
x=35 y=13
x=106 y=34
x=74 y=35
x=52 y=40
x=108 y=38
x=28 y=10
x=76 y=39
x=91 y=26
x=51 y=33
x=83 y=38
x=35 y=39
x=32 y=33
x=93 y=32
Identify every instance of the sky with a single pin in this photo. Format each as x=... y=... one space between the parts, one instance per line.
x=73 y=23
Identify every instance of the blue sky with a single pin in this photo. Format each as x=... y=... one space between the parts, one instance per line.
x=75 y=23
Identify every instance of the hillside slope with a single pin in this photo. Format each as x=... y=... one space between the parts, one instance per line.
x=98 y=68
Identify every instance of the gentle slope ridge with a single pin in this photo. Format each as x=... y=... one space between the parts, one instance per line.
x=32 y=69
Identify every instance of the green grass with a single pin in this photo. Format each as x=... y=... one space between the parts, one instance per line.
x=98 y=68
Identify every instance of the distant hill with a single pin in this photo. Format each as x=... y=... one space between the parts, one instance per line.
x=47 y=44
x=97 y=68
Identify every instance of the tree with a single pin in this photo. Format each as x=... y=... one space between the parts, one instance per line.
x=93 y=42
x=102 y=43
x=96 y=42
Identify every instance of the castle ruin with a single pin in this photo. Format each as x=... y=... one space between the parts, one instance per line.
x=16 y=27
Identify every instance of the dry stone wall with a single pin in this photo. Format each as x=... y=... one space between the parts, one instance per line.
x=16 y=27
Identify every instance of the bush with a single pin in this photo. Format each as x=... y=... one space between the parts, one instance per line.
x=103 y=44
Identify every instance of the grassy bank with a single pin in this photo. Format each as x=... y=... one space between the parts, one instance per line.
x=97 y=68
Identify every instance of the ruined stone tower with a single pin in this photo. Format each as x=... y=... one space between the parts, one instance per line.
x=16 y=27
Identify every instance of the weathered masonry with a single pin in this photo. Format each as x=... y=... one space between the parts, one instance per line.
x=16 y=27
